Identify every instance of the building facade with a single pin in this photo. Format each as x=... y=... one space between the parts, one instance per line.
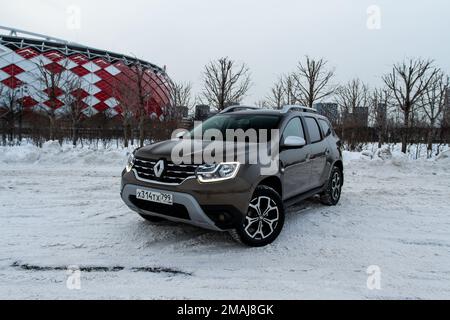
x=329 y=110
x=361 y=116
x=202 y=112
x=43 y=75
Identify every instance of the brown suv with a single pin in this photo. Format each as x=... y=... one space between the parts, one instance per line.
x=238 y=196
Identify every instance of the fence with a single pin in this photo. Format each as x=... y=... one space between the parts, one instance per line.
x=105 y=131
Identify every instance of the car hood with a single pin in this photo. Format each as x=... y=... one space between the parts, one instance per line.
x=192 y=148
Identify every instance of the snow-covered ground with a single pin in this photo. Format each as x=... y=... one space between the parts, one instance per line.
x=61 y=207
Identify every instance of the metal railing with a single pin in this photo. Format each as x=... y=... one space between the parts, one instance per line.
x=297 y=108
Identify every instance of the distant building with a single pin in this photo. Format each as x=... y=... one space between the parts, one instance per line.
x=186 y=123
x=93 y=76
x=182 y=112
x=329 y=110
x=202 y=112
x=381 y=114
x=361 y=116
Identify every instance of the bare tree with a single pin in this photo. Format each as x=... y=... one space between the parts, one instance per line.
x=181 y=94
x=52 y=80
x=409 y=82
x=128 y=104
x=134 y=94
x=350 y=96
x=433 y=103
x=225 y=83
x=282 y=92
x=380 y=101
x=73 y=100
x=11 y=111
x=445 y=123
x=288 y=83
x=312 y=81
x=262 y=104
x=276 y=98
x=143 y=92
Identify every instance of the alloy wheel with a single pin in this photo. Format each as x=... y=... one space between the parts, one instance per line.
x=336 y=186
x=262 y=218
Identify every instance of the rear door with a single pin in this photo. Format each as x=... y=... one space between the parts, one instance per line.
x=297 y=170
x=319 y=150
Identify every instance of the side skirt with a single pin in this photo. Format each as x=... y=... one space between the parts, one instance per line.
x=299 y=198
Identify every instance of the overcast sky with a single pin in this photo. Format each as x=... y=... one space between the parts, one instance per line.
x=270 y=36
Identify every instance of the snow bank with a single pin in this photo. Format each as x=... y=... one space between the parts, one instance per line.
x=52 y=152
x=392 y=156
x=399 y=159
x=444 y=157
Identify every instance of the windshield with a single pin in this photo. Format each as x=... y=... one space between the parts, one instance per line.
x=233 y=122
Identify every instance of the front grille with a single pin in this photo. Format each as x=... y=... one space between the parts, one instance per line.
x=175 y=211
x=173 y=173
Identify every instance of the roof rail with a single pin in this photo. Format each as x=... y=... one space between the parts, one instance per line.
x=237 y=108
x=299 y=108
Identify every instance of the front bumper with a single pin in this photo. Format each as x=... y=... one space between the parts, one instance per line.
x=194 y=213
x=215 y=206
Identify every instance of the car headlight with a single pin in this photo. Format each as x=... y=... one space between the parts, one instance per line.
x=218 y=172
x=130 y=162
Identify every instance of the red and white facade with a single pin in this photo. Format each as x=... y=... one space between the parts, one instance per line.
x=100 y=74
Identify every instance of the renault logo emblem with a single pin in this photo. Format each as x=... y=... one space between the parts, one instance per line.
x=159 y=168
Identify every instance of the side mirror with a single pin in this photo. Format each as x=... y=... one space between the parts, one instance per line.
x=293 y=142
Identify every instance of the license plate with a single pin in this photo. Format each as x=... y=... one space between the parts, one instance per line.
x=158 y=197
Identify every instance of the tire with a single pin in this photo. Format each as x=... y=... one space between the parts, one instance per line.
x=332 y=193
x=258 y=228
x=152 y=219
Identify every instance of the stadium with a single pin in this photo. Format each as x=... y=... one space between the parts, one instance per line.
x=34 y=73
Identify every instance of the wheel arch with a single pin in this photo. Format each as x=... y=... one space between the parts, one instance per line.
x=340 y=165
x=273 y=182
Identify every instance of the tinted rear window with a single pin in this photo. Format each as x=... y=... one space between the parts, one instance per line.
x=326 y=129
x=313 y=130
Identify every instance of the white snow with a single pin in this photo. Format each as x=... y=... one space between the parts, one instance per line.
x=61 y=207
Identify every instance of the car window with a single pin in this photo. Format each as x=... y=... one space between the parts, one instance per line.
x=238 y=121
x=313 y=130
x=326 y=129
x=294 y=129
